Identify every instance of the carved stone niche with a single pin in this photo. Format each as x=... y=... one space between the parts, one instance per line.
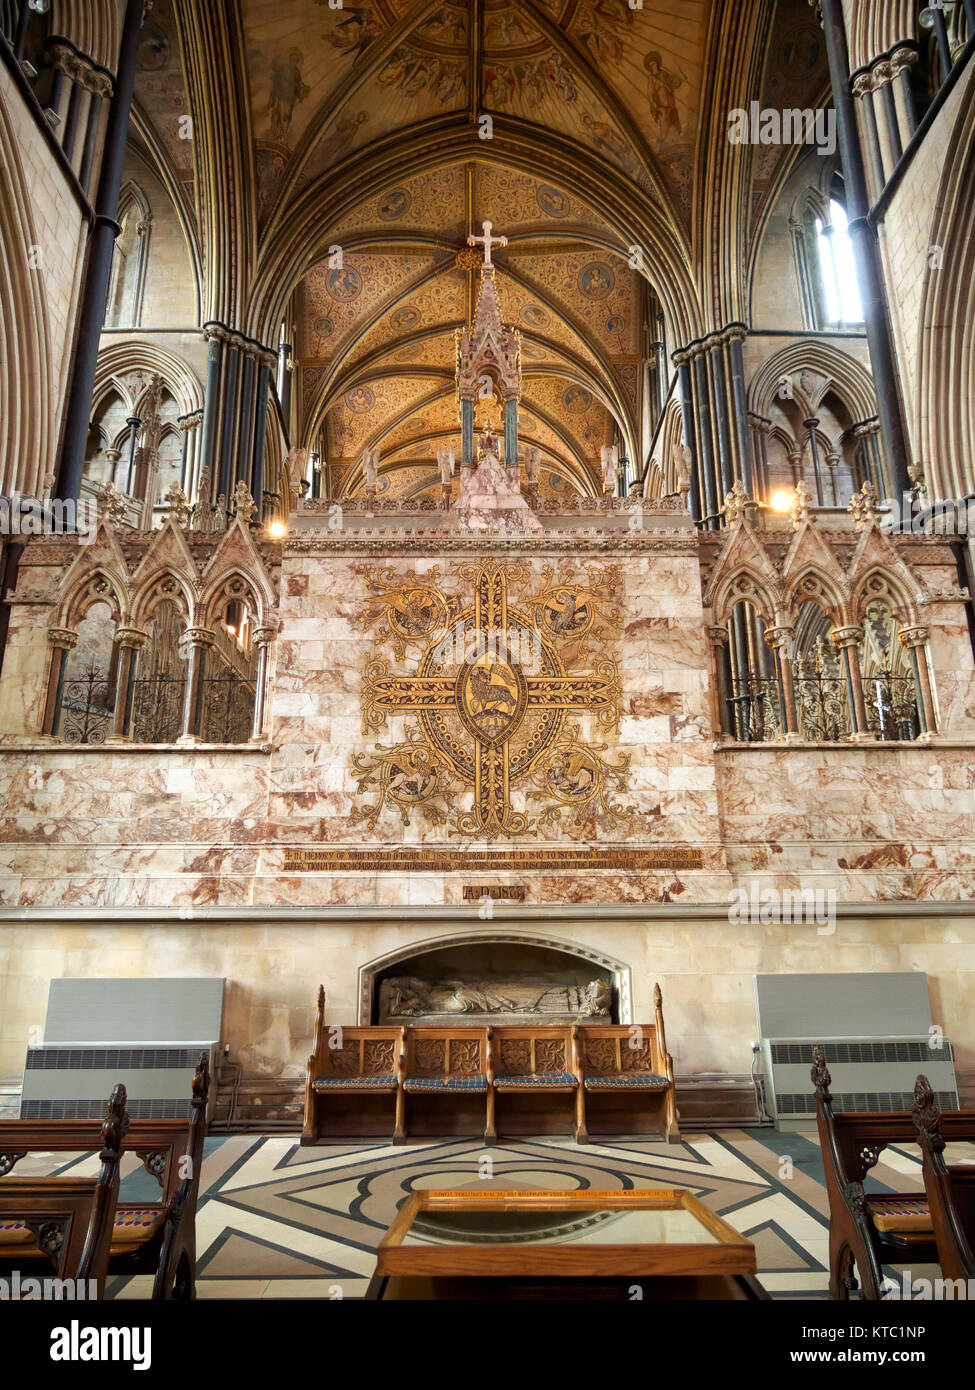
x=494 y=982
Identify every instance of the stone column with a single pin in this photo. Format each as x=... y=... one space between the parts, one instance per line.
x=735 y=336
x=901 y=62
x=848 y=639
x=812 y=425
x=131 y=640
x=703 y=411
x=256 y=482
x=863 y=85
x=93 y=299
x=682 y=363
x=782 y=642
x=511 y=432
x=225 y=469
x=61 y=640
x=199 y=640
x=915 y=639
x=467 y=434
x=263 y=637
x=134 y=424
x=866 y=249
x=113 y=456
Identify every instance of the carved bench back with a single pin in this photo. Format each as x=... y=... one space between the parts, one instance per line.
x=159 y=1143
x=526 y=1051
x=359 y=1051
x=609 y=1049
x=449 y=1051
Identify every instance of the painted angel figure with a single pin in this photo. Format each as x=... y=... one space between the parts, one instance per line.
x=445 y=462
x=533 y=457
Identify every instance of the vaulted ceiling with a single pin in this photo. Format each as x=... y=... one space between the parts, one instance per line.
x=364 y=143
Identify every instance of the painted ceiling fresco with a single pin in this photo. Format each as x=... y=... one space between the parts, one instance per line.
x=375 y=335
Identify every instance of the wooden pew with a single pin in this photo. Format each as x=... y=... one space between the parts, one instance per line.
x=354 y=1088
x=867 y=1231
x=950 y=1189
x=447 y=1082
x=536 y=1079
x=627 y=1079
x=156 y=1238
x=62 y=1223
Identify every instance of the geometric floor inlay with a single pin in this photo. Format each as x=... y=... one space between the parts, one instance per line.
x=276 y=1220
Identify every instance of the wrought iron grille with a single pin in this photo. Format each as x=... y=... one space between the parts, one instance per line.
x=891 y=703
x=157 y=709
x=86 y=713
x=822 y=702
x=228 y=709
x=754 y=710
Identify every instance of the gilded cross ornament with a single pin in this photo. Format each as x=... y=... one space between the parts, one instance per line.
x=493 y=690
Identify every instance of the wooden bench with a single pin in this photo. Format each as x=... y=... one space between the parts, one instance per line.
x=950 y=1190
x=62 y=1223
x=354 y=1084
x=628 y=1079
x=536 y=1079
x=156 y=1238
x=447 y=1082
x=866 y=1230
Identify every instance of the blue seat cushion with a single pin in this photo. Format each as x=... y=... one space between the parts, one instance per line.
x=552 y=1081
x=445 y=1083
x=639 y=1080
x=354 y=1083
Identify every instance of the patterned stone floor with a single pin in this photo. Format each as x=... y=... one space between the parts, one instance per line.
x=279 y=1221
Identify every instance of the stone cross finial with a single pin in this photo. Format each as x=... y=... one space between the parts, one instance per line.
x=115 y=504
x=799 y=510
x=179 y=504
x=734 y=503
x=863 y=506
x=487 y=241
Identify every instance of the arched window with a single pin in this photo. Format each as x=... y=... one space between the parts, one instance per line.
x=754 y=709
x=841 y=293
x=131 y=260
x=890 y=694
x=822 y=705
x=232 y=669
x=85 y=698
x=160 y=686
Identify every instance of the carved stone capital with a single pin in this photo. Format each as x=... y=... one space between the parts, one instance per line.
x=913 y=636
x=199 y=637
x=902 y=58
x=846 y=636
x=63 y=637
x=133 y=637
x=862 y=85
x=718 y=636
x=777 y=637
x=264 y=636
